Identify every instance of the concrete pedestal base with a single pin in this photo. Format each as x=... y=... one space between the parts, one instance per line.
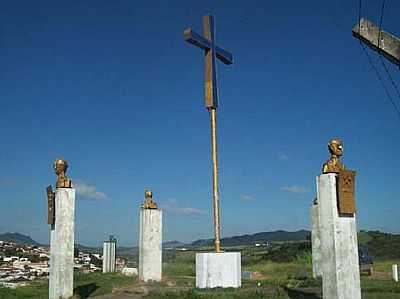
x=61 y=279
x=215 y=270
x=339 y=248
x=150 y=245
x=129 y=271
x=316 y=242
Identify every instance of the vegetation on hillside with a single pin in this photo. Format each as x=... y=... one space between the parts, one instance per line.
x=381 y=245
x=18 y=238
x=262 y=237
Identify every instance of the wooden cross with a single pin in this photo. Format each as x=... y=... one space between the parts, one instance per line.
x=207 y=43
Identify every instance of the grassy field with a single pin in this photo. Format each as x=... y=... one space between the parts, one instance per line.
x=274 y=278
x=84 y=285
x=271 y=279
x=260 y=293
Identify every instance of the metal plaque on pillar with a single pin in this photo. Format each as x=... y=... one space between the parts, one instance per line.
x=345 y=192
x=51 y=205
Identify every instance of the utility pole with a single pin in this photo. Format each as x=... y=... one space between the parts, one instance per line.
x=378 y=40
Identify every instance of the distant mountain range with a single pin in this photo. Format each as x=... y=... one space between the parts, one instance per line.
x=380 y=245
x=18 y=238
x=173 y=244
x=276 y=236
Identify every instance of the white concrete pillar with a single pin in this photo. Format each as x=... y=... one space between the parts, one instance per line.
x=106 y=249
x=316 y=242
x=61 y=279
x=150 y=245
x=395 y=273
x=222 y=269
x=339 y=248
x=113 y=252
x=109 y=251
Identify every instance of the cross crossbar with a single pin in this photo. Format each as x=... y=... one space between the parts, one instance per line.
x=199 y=41
x=378 y=40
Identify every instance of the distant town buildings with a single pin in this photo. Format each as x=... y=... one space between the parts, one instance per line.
x=21 y=264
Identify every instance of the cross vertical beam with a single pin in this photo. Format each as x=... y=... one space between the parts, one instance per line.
x=207 y=43
x=211 y=91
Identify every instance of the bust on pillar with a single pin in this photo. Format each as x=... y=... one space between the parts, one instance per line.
x=334 y=232
x=61 y=209
x=150 y=240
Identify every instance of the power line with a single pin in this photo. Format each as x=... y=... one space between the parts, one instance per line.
x=380 y=54
x=381 y=80
x=390 y=76
x=372 y=65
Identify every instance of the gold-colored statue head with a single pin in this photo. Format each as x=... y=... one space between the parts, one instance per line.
x=149 y=203
x=148 y=194
x=60 y=167
x=335 y=147
x=334 y=165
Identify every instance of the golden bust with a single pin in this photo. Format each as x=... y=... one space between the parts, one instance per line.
x=333 y=165
x=149 y=203
x=60 y=168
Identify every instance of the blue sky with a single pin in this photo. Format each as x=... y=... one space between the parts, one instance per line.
x=112 y=87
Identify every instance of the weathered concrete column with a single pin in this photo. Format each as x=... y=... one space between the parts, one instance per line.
x=150 y=245
x=61 y=278
x=218 y=269
x=339 y=248
x=109 y=255
x=316 y=241
x=395 y=273
x=106 y=256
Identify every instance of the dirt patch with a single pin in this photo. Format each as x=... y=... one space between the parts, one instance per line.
x=381 y=275
x=141 y=290
x=257 y=276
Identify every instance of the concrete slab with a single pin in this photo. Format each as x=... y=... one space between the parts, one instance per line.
x=129 y=271
x=218 y=270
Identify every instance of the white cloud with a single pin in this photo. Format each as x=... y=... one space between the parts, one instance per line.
x=185 y=211
x=282 y=156
x=295 y=189
x=88 y=191
x=172 y=207
x=246 y=198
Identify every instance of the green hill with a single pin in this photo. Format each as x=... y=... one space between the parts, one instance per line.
x=18 y=238
x=380 y=245
x=262 y=237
